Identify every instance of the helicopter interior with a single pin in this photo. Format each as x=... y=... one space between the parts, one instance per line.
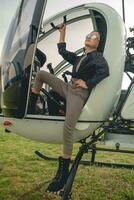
x=49 y=102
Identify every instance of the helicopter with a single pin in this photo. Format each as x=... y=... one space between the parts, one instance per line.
x=30 y=45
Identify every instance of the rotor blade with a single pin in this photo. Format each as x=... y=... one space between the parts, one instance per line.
x=123 y=10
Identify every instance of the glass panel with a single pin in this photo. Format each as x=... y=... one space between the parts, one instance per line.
x=73 y=14
x=16 y=41
x=23 y=24
x=18 y=55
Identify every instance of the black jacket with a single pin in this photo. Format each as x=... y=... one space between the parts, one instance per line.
x=93 y=68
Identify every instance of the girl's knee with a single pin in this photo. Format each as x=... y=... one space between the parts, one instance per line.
x=40 y=74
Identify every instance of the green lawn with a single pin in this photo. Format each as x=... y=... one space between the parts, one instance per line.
x=24 y=176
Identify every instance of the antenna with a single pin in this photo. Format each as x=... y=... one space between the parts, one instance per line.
x=123 y=10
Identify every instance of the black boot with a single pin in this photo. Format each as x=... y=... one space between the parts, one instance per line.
x=32 y=103
x=61 y=176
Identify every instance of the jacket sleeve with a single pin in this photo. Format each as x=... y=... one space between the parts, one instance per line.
x=101 y=72
x=67 y=55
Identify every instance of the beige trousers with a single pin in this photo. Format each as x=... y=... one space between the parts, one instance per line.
x=75 y=100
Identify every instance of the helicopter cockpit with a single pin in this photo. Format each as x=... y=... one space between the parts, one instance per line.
x=49 y=36
x=32 y=44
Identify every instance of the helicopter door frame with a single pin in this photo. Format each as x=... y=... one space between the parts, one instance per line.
x=95 y=17
x=16 y=70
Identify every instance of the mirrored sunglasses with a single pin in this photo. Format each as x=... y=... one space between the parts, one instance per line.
x=92 y=37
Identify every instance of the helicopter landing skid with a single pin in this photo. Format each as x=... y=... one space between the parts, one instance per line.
x=41 y=155
x=85 y=147
x=66 y=194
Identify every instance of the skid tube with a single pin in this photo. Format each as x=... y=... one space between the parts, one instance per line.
x=85 y=147
x=66 y=193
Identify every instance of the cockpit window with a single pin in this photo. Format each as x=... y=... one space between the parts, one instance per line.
x=79 y=23
x=25 y=15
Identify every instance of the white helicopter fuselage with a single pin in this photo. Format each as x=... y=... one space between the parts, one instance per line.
x=104 y=97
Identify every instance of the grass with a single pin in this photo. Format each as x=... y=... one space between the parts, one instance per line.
x=24 y=176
